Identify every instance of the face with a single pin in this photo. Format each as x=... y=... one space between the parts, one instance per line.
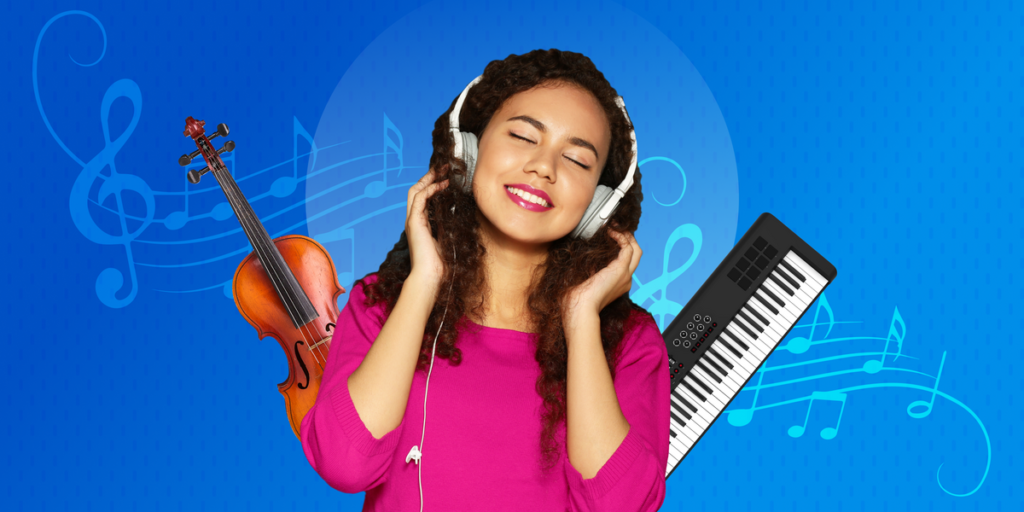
x=549 y=142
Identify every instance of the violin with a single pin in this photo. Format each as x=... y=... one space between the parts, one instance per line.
x=287 y=288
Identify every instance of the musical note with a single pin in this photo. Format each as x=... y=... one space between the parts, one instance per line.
x=346 y=278
x=663 y=305
x=376 y=188
x=927 y=405
x=876 y=365
x=827 y=432
x=177 y=220
x=285 y=185
x=799 y=344
x=742 y=417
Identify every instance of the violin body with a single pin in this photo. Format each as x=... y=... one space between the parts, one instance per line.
x=258 y=302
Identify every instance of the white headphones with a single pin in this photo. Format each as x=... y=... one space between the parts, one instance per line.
x=605 y=199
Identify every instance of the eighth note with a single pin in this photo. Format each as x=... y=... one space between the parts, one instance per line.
x=827 y=432
x=875 y=366
x=927 y=405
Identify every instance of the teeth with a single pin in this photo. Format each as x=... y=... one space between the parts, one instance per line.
x=529 y=197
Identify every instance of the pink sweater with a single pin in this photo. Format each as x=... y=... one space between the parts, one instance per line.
x=481 y=447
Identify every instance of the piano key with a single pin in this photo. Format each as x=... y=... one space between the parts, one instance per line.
x=808 y=272
x=750 y=322
x=698 y=385
x=765 y=302
x=735 y=339
x=764 y=321
x=755 y=353
x=769 y=286
x=700 y=415
x=714 y=351
x=796 y=306
x=678 y=392
x=757 y=350
x=679 y=420
x=719 y=394
x=787 y=277
x=771 y=295
x=804 y=292
x=713 y=391
x=728 y=346
x=692 y=388
x=742 y=368
x=785 y=264
x=778 y=282
x=729 y=376
x=771 y=329
x=781 y=323
x=711 y=362
x=742 y=324
x=707 y=370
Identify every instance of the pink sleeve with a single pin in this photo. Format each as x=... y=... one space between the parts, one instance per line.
x=336 y=442
x=633 y=479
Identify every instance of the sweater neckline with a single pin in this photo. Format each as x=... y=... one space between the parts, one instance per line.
x=497 y=331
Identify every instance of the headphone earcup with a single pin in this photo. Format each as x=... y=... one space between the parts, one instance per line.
x=591 y=221
x=470 y=146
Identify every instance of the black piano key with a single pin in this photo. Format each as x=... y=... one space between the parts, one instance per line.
x=752 y=311
x=780 y=284
x=785 y=275
x=687 y=403
x=739 y=322
x=711 y=362
x=671 y=432
x=708 y=371
x=684 y=400
x=678 y=419
x=750 y=321
x=773 y=296
x=793 y=270
x=720 y=357
x=734 y=350
x=767 y=304
x=700 y=382
x=737 y=340
x=694 y=391
x=683 y=411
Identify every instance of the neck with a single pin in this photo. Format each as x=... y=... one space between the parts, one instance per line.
x=510 y=267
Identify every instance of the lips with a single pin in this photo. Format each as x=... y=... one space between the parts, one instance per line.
x=526 y=188
x=523 y=203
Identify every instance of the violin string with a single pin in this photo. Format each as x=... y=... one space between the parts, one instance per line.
x=251 y=225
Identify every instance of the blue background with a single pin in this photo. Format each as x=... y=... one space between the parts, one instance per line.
x=883 y=134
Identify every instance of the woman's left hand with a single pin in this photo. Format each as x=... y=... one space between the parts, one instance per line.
x=609 y=284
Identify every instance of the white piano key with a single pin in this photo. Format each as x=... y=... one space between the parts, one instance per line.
x=715 y=400
x=755 y=348
x=803 y=291
x=805 y=269
x=781 y=323
x=794 y=306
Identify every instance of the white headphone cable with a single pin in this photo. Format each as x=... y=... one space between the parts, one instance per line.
x=415 y=453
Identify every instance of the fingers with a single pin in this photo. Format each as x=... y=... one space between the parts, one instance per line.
x=421 y=191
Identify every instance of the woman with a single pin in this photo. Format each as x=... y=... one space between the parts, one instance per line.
x=561 y=400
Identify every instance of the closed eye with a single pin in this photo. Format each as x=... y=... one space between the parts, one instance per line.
x=532 y=142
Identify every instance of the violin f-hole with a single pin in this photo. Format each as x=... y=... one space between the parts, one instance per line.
x=298 y=356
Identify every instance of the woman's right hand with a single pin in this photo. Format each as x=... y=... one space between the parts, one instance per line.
x=424 y=250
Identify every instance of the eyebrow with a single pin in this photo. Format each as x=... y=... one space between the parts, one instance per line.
x=576 y=141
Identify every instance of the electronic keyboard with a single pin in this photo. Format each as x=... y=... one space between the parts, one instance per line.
x=733 y=322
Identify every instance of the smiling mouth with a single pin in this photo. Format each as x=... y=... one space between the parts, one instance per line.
x=526 y=196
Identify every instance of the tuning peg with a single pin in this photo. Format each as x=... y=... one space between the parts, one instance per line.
x=222 y=131
x=184 y=160
x=193 y=175
x=229 y=146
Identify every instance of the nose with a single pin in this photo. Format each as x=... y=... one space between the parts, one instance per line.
x=543 y=164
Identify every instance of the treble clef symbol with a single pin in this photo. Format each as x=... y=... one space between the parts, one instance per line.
x=110 y=280
x=663 y=306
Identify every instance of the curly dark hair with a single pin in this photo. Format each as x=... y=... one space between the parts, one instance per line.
x=570 y=261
